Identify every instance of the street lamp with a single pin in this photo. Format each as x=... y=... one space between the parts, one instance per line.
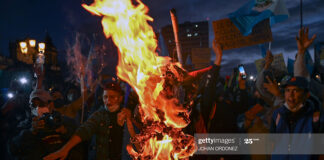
x=23 y=47
x=32 y=43
x=41 y=47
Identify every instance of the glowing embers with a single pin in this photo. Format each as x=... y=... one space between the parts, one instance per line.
x=160 y=142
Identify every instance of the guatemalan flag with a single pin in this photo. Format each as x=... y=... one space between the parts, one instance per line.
x=255 y=11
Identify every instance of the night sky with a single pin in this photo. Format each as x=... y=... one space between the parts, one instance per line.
x=63 y=18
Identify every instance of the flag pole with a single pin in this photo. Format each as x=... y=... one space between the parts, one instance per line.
x=301 y=14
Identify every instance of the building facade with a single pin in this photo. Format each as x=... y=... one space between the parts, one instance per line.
x=191 y=35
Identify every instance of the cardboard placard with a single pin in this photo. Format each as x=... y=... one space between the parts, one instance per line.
x=229 y=36
x=278 y=65
x=200 y=57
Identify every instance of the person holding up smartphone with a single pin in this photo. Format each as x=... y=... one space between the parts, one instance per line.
x=242 y=71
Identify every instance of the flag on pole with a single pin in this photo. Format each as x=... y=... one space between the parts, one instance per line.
x=255 y=11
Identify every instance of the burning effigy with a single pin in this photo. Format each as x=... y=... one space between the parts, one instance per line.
x=155 y=79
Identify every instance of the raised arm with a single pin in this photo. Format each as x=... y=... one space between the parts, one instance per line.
x=84 y=132
x=260 y=78
x=219 y=53
x=303 y=42
x=217 y=62
x=64 y=151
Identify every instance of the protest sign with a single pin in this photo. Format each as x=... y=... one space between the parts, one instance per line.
x=229 y=36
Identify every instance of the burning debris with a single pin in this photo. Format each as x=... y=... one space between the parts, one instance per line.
x=155 y=79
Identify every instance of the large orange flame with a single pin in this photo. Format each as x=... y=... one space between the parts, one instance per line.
x=141 y=67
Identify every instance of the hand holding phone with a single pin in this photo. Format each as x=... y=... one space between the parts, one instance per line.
x=242 y=71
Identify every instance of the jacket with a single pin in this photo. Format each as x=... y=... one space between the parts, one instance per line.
x=109 y=135
x=307 y=120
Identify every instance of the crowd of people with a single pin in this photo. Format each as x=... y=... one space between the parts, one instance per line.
x=53 y=125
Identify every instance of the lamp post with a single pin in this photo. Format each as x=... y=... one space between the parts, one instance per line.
x=41 y=47
x=29 y=47
x=32 y=43
x=23 y=47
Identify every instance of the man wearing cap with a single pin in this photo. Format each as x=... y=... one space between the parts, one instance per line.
x=106 y=123
x=297 y=115
x=48 y=132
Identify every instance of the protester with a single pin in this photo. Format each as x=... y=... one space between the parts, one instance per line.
x=226 y=110
x=266 y=84
x=303 y=42
x=49 y=130
x=106 y=123
x=297 y=115
x=14 y=117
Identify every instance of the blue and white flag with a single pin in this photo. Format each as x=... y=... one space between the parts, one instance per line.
x=255 y=11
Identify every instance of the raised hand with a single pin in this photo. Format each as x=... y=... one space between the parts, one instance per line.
x=272 y=87
x=303 y=42
x=241 y=82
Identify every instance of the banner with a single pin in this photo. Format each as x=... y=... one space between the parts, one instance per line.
x=229 y=36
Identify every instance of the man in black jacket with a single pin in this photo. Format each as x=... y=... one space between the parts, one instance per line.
x=106 y=123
